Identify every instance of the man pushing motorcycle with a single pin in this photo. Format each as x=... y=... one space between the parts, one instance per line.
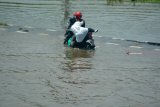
x=77 y=16
x=77 y=31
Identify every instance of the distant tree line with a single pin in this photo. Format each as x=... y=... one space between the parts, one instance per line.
x=111 y=2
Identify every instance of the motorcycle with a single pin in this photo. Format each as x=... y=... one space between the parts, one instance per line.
x=87 y=43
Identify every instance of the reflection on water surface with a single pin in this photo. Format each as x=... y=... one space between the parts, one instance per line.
x=36 y=70
x=77 y=59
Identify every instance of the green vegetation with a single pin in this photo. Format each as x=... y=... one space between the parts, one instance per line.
x=152 y=1
x=112 y=2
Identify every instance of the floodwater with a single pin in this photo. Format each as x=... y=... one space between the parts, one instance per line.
x=36 y=70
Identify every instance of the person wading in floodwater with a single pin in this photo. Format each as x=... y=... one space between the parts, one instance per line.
x=77 y=16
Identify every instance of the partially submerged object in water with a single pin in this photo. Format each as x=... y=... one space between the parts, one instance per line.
x=23 y=30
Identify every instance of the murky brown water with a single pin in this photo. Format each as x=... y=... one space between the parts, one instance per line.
x=36 y=70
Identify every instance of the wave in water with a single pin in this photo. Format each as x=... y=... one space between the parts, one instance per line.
x=137 y=41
